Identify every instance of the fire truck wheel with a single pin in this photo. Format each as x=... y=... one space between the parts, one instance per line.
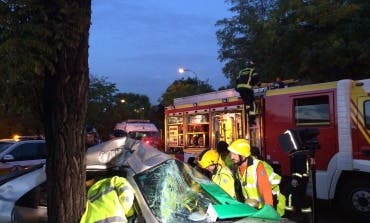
x=355 y=199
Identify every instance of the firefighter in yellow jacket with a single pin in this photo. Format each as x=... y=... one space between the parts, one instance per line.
x=109 y=200
x=275 y=179
x=251 y=177
x=221 y=174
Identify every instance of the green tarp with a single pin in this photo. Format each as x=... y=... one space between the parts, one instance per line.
x=231 y=208
x=217 y=193
x=225 y=211
x=267 y=212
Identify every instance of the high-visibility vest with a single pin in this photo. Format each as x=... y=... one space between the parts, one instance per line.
x=275 y=180
x=249 y=183
x=109 y=200
x=224 y=178
x=244 y=78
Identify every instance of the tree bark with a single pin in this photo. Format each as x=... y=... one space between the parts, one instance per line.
x=65 y=108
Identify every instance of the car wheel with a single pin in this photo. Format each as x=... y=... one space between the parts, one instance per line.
x=355 y=199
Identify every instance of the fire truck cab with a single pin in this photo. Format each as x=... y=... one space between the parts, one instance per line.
x=340 y=111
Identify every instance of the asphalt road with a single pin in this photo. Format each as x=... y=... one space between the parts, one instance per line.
x=328 y=214
x=325 y=214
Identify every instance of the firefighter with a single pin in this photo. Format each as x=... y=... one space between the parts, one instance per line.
x=108 y=199
x=251 y=175
x=221 y=175
x=275 y=179
x=278 y=83
x=245 y=80
x=299 y=168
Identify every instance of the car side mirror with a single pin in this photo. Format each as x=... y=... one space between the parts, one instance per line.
x=8 y=157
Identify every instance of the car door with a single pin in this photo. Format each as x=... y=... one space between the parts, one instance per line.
x=26 y=154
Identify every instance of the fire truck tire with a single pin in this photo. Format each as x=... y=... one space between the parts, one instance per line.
x=354 y=199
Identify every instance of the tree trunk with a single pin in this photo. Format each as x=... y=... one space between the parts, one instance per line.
x=65 y=108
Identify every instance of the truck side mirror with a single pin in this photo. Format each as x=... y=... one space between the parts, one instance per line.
x=288 y=141
x=299 y=140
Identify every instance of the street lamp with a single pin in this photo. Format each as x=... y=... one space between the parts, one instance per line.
x=140 y=112
x=183 y=70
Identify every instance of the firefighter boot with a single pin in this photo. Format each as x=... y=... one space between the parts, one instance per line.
x=289 y=206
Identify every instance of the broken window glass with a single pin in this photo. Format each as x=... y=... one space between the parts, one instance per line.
x=173 y=192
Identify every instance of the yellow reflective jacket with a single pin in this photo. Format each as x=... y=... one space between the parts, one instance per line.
x=275 y=180
x=224 y=178
x=109 y=200
x=249 y=183
x=244 y=78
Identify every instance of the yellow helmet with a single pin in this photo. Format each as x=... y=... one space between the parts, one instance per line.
x=241 y=147
x=208 y=157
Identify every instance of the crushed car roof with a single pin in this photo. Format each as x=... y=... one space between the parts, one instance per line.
x=124 y=152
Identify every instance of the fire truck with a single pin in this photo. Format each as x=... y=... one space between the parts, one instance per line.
x=340 y=111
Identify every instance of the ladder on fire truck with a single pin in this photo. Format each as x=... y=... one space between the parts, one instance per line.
x=253 y=128
x=287 y=82
x=261 y=88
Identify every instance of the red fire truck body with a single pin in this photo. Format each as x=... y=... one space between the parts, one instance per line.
x=282 y=111
x=340 y=110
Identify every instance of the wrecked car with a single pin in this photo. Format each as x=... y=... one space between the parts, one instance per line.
x=166 y=189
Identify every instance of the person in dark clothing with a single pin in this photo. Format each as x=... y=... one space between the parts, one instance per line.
x=222 y=149
x=192 y=161
x=278 y=83
x=224 y=153
x=300 y=176
x=92 y=136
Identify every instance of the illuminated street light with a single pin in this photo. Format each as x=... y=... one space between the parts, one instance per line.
x=123 y=101
x=183 y=70
x=140 y=111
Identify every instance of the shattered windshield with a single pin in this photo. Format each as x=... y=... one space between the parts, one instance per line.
x=173 y=193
